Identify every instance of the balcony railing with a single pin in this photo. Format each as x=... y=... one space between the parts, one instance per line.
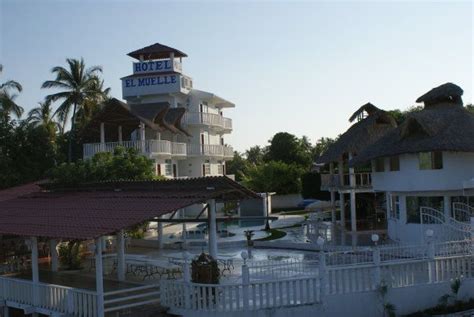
x=333 y=181
x=151 y=147
x=210 y=150
x=210 y=119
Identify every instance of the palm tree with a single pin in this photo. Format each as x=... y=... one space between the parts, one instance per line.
x=78 y=84
x=7 y=99
x=92 y=104
x=43 y=116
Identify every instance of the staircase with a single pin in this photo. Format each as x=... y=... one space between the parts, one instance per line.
x=446 y=228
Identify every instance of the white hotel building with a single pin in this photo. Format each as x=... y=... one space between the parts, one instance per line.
x=181 y=128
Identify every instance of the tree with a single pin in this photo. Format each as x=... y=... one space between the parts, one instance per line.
x=321 y=146
x=122 y=164
x=400 y=116
x=7 y=98
x=287 y=148
x=470 y=107
x=255 y=155
x=78 y=84
x=311 y=187
x=237 y=166
x=274 y=176
x=43 y=116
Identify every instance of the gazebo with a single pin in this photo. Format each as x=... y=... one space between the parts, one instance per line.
x=90 y=212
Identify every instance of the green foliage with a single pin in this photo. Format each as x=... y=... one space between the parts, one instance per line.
x=322 y=145
x=71 y=255
x=274 y=176
x=274 y=235
x=311 y=187
x=388 y=309
x=445 y=300
x=237 y=166
x=125 y=164
x=138 y=231
x=255 y=155
x=470 y=107
x=205 y=270
x=287 y=148
x=400 y=116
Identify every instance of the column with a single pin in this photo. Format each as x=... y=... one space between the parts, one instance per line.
x=333 y=193
x=245 y=286
x=183 y=228
x=447 y=206
x=99 y=283
x=342 y=203
x=120 y=137
x=376 y=258
x=54 y=255
x=323 y=278
x=159 y=233
x=102 y=136
x=352 y=183
x=142 y=137
x=212 y=226
x=388 y=202
x=35 y=271
x=121 y=255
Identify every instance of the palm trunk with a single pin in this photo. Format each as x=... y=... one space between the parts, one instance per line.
x=71 y=134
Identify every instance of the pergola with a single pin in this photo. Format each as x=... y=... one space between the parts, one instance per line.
x=92 y=211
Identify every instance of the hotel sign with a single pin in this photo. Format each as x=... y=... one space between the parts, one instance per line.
x=159 y=66
x=149 y=85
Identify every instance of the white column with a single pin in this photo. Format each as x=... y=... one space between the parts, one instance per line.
x=120 y=137
x=99 y=282
x=54 y=255
x=183 y=228
x=121 y=255
x=447 y=206
x=352 y=182
x=142 y=136
x=388 y=203
x=34 y=270
x=159 y=234
x=323 y=278
x=333 y=194
x=245 y=286
x=342 y=203
x=187 y=281
x=377 y=273
x=211 y=216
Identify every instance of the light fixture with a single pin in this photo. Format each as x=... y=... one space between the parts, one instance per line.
x=244 y=256
x=320 y=241
x=375 y=238
x=429 y=233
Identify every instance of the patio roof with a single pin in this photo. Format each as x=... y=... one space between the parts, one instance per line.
x=93 y=210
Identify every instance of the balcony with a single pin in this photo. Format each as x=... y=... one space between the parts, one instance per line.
x=362 y=180
x=211 y=150
x=208 y=119
x=150 y=147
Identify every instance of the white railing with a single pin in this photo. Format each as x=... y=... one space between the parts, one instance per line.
x=210 y=119
x=446 y=228
x=54 y=298
x=180 y=295
x=151 y=147
x=210 y=150
x=462 y=212
x=131 y=297
x=273 y=269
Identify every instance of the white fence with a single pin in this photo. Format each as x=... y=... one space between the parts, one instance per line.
x=152 y=147
x=52 y=298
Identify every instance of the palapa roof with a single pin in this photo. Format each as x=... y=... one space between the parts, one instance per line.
x=443 y=125
x=93 y=210
x=157 y=116
x=360 y=134
x=156 y=51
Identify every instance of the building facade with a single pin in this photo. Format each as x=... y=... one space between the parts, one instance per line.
x=181 y=128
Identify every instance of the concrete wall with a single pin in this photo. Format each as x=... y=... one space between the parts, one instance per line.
x=457 y=168
x=252 y=208
x=286 y=201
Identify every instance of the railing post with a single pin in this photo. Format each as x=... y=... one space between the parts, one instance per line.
x=431 y=262
x=245 y=286
x=376 y=259
x=323 y=278
x=187 y=282
x=70 y=302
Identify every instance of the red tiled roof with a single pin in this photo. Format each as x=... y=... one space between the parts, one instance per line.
x=17 y=191
x=91 y=212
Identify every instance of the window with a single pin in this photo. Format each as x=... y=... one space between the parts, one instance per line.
x=206 y=168
x=394 y=163
x=220 y=169
x=430 y=160
x=168 y=168
x=395 y=207
x=379 y=164
x=414 y=203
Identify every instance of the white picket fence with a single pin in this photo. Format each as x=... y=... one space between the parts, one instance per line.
x=49 y=297
x=182 y=296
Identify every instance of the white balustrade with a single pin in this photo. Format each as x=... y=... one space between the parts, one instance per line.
x=210 y=119
x=216 y=150
x=152 y=147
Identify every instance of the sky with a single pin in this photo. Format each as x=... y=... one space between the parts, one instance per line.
x=299 y=67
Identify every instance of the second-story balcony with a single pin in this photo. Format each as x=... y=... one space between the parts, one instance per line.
x=211 y=150
x=149 y=147
x=209 y=119
x=361 y=180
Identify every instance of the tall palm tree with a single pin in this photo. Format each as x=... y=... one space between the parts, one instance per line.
x=78 y=84
x=7 y=98
x=43 y=115
x=92 y=104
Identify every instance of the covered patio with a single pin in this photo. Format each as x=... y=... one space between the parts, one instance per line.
x=54 y=214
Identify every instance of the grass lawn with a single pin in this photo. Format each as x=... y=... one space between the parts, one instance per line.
x=274 y=234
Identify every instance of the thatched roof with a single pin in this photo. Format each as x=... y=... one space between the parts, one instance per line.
x=157 y=116
x=360 y=134
x=448 y=92
x=156 y=51
x=445 y=126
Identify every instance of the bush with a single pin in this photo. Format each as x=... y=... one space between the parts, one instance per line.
x=274 y=176
x=71 y=255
